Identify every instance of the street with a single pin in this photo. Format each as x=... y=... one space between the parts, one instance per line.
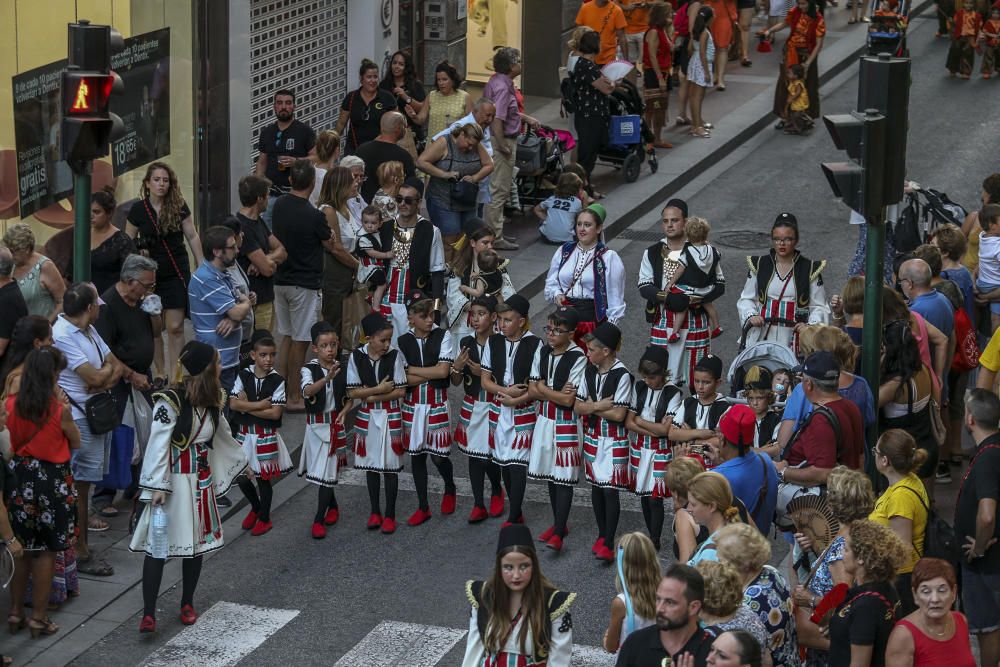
x=363 y=598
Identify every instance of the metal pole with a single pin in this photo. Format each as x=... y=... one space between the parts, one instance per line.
x=82 y=171
x=871 y=335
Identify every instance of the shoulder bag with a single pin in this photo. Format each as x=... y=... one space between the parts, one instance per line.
x=100 y=410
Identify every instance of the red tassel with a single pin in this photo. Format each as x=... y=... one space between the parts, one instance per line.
x=397 y=446
x=359 y=446
x=342 y=458
x=461 y=437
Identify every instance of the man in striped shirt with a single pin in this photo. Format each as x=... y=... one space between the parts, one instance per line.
x=216 y=306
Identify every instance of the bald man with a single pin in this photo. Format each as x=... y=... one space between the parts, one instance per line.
x=915 y=281
x=384 y=148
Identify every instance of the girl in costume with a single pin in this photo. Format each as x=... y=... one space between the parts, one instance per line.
x=191 y=458
x=324 y=445
x=603 y=399
x=473 y=433
x=556 y=374
x=518 y=617
x=376 y=379
x=965 y=27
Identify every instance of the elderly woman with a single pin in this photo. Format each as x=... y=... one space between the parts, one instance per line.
x=362 y=109
x=457 y=163
x=850 y=497
x=722 y=609
x=38 y=278
x=765 y=591
x=934 y=634
x=784 y=290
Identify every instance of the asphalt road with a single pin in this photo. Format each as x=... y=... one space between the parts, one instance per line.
x=345 y=586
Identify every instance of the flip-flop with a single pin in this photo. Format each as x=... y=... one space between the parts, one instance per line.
x=97 y=567
x=95 y=525
x=109 y=511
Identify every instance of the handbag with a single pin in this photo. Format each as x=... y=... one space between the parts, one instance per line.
x=464 y=193
x=530 y=157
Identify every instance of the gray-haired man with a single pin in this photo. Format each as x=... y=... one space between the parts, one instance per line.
x=11 y=300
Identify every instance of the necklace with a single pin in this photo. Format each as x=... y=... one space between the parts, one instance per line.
x=943 y=632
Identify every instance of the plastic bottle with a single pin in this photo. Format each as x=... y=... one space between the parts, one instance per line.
x=158 y=538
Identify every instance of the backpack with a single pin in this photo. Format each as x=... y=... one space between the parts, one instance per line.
x=568 y=93
x=966 y=355
x=906 y=233
x=939 y=536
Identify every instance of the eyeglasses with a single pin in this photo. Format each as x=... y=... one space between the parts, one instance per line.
x=148 y=286
x=409 y=201
x=783 y=240
x=360 y=178
x=555 y=331
x=875 y=451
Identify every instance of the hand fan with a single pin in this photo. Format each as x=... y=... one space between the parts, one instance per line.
x=812 y=517
x=617 y=69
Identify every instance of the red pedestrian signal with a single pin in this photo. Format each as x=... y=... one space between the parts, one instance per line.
x=87 y=94
x=88 y=126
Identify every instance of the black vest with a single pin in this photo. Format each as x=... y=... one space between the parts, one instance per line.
x=693 y=275
x=715 y=412
x=470 y=382
x=372 y=374
x=182 y=433
x=420 y=251
x=267 y=387
x=523 y=357
x=804 y=269
x=654 y=254
x=666 y=395
x=316 y=404
x=767 y=425
x=608 y=389
x=563 y=367
x=557 y=604
x=410 y=348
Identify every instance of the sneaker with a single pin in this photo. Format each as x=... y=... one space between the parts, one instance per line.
x=374 y=521
x=250 y=521
x=388 y=525
x=496 y=505
x=943 y=475
x=223 y=501
x=504 y=244
x=604 y=553
x=478 y=514
x=147 y=625
x=419 y=517
x=188 y=615
x=448 y=503
x=597 y=545
x=331 y=517
x=555 y=543
x=261 y=527
x=318 y=531
x=547 y=534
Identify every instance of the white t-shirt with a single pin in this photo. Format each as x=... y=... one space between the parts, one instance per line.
x=989 y=259
x=79 y=347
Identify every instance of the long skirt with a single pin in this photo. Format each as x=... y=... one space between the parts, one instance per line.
x=812 y=84
x=961 y=57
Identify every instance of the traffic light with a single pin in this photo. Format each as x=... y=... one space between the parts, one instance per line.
x=88 y=126
x=884 y=84
x=858 y=183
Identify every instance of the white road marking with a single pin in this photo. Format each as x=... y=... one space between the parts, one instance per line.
x=223 y=635
x=395 y=643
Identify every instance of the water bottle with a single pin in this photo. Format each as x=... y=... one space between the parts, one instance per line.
x=158 y=538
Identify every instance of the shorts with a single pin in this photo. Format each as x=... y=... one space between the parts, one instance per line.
x=296 y=309
x=681 y=55
x=984 y=286
x=746 y=4
x=649 y=81
x=89 y=463
x=957 y=384
x=263 y=315
x=449 y=222
x=981 y=600
x=633 y=42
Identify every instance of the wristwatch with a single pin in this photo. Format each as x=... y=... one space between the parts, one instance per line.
x=781 y=474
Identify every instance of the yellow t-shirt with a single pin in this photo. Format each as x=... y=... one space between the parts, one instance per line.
x=990 y=358
x=902 y=502
x=798 y=96
x=971 y=257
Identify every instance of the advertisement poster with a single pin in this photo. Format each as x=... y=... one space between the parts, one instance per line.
x=491 y=23
x=144 y=66
x=42 y=178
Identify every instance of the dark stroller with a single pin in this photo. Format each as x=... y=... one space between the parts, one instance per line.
x=887 y=30
x=533 y=186
x=627 y=153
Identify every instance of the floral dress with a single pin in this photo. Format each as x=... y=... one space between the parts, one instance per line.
x=768 y=597
x=821 y=584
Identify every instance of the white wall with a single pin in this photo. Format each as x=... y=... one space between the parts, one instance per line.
x=366 y=37
x=239 y=95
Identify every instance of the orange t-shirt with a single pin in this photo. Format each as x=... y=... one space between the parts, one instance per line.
x=606 y=21
x=636 y=20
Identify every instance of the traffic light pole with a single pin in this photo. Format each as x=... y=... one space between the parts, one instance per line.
x=82 y=170
x=871 y=334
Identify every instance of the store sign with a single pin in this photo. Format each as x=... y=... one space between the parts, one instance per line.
x=144 y=66
x=491 y=23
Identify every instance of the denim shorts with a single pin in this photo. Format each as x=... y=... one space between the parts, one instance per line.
x=451 y=223
x=984 y=286
x=981 y=599
x=89 y=463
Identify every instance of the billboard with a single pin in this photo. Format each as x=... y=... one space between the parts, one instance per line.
x=491 y=23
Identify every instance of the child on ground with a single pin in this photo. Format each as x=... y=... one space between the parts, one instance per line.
x=989 y=39
x=390 y=176
x=371 y=257
x=488 y=281
x=965 y=27
x=703 y=410
x=603 y=400
x=556 y=374
x=989 y=259
x=427 y=352
x=259 y=395
x=558 y=212
x=324 y=445
x=701 y=273
x=796 y=116
x=376 y=380
x=473 y=431
x=760 y=397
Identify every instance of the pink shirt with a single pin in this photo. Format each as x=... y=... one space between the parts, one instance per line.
x=500 y=89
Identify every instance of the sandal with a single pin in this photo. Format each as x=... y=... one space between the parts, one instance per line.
x=681 y=120
x=43 y=626
x=97 y=567
x=701 y=133
x=15 y=623
x=721 y=87
x=746 y=62
x=95 y=525
x=851 y=21
x=109 y=511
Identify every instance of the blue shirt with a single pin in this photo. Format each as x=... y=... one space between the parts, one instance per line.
x=211 y=294
x=963 y=279
x=797 y=408
x=746 y=475
x=936 y=309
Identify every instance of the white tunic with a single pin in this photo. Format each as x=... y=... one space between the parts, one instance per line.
x=316 y=462
x=748 y=306
x=580 y=264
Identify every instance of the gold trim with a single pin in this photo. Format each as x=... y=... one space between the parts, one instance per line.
x=821 y=265
x=468 y=593
x=564 y=607
x=167 y=397
x=753 y=267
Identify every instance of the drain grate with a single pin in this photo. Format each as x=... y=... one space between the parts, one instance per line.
x=641 y=235
x=743 y=239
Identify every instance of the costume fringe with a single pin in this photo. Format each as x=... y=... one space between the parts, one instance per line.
x=359 y=446
x=397 y=445
x=522 y=441
x=620 y=476
x=568 y=457
x=461 y=436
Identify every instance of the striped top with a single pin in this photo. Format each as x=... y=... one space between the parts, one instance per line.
x=211 y=294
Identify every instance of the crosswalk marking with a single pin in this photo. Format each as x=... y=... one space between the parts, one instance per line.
x=394 y=643
x=223 y=635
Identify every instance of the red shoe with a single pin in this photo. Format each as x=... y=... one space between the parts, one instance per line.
x=331 y=517
x=260 y=528
x=604 y=553
x=716 y=332
x=597 y=545
x=147 y=624
x=188 y=614
x=496 y=505
x=547 y=535
x=419 y=517
x=250 y=521
x=318 y=531
x=374 y=521
x=505 y=524
x=448 y=503
x=388 y=525
x=554 y=543
x=478 y=514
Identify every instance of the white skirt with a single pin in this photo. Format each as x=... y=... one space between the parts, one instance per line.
x=317 y=463
x=547 y=459
x=474 y=438
x=376 y=448
x=648 y=470
x=266 y=453
x=511 y=447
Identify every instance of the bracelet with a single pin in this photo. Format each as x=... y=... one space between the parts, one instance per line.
x=812 y=602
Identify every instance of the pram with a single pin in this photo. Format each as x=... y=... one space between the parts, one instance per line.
x=887 y=30
x=534 y=187
x=628 y=155
x=768 y=354
x=923 y=211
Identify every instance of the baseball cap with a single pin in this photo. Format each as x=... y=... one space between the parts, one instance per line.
x=820 y=365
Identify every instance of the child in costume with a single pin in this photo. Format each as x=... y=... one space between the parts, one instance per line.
x=427 y=351
x=489 y=279
x=473 y=433
x=556 y=374
x=259 y=395
x=376 y=380
x=371 y=257
x=965 y=27
x=702 y=411
x=797 y=119
x=759 y=394
x=989 y=40
x=699 y=275
x=324 y=445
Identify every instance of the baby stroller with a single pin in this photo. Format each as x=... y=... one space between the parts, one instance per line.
x=768 y=354
x=539 y=162
x=923 y=211
x=887 y=30
x=628 y=135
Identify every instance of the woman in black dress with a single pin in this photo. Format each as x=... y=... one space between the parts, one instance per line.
x=592 y=111
x=109 y=246
x=363 y=109
x=160 y=221
x=401 y=80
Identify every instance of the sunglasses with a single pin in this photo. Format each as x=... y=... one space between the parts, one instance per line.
x=409 y=201
x=277 y=139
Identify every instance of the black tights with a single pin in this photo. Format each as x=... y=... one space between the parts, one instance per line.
x=515 y=478
x=152 y=575
x=445 y=469
x=652 y=513
x=606 y=511
x=327 y=501
x=479 y=470
x=260 y=504
x=391 y=489
x=561 y=499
